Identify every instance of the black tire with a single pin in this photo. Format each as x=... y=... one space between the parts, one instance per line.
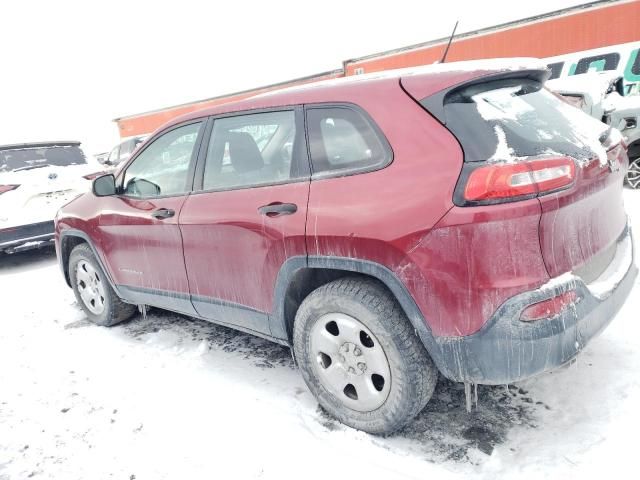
x=413 y=375
x=115 y=310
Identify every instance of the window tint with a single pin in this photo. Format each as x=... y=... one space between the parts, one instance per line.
x=253 y=149
x=162 y=168
x=514 y=118
x=342 y=139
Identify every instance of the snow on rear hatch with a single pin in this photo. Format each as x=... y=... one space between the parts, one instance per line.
x=515 y=120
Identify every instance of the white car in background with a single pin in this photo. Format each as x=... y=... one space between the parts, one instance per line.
x=36 y=179
x=122 y=151
x=602 y=95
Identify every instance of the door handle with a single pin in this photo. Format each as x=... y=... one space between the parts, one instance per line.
x=162 y=213
x=276 y=209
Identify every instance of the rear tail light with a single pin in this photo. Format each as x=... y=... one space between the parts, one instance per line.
x=549 y=308
x=7 y=188
x=505 y=182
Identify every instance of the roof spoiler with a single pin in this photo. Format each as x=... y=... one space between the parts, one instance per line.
x=435 y=103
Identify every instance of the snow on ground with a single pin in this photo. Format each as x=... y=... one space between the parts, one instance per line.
x=173 y=398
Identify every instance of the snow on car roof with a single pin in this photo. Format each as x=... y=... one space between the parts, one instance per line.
x=491 y=64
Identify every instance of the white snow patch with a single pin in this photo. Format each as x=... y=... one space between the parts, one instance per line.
x=503 y=153
x=148 y=399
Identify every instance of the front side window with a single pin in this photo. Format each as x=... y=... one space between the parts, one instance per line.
x=252 y=149
x=342 y=139
x=163 y=167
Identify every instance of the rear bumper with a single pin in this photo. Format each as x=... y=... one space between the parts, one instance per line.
x=25 y=237
x=507 y=350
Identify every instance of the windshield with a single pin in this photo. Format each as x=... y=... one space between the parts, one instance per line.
x=35 y=157
x=510 y=119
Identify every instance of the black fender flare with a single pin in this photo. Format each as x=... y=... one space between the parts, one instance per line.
x=64 y=266
x=278 y=322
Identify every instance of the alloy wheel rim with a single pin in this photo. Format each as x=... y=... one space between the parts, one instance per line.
x=90 y=287
x=633 y=174
x=350 y=362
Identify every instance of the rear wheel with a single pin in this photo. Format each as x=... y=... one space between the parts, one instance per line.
x=633 y=174
x=92 y=290
x=360 y=357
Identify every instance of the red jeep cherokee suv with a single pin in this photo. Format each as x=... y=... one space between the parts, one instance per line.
x=456 y=218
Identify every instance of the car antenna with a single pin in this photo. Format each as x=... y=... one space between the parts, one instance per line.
x=446 y=50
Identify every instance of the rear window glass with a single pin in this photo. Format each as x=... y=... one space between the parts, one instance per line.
x=341 y=139
x=36 y=157
x=516 y=118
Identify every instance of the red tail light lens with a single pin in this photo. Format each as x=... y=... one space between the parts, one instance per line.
x=7 y=188
x=549 y=308
x=510 y=181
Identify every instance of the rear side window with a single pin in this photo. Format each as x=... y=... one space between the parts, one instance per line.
x=509 y=119
x=28 y=158
x=341 y=139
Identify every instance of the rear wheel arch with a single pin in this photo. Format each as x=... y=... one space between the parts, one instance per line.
x=300 y=276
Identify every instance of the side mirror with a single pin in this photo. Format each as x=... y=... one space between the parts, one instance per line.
x=104 y=186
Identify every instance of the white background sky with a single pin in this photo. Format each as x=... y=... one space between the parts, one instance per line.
x=69 y=67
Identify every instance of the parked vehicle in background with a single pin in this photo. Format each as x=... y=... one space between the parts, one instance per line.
x=386 y=227
x=622 y=60
x=101 y=157
x=36 y=179
x=602 y=95
x=122 y=151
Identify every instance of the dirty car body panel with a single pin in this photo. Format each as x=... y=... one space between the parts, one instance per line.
x=464 y=271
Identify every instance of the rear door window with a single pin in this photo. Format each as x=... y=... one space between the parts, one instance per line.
x=509 y=119
x=251 y=150
x=341 y=139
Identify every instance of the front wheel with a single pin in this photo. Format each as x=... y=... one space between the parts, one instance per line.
x=92 y=290
x=360 y=357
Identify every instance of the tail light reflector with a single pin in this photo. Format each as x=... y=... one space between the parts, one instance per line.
x=7 y=188
x=549 y=308
x=509 y=181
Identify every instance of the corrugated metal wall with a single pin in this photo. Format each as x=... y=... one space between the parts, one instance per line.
x=581 y=29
